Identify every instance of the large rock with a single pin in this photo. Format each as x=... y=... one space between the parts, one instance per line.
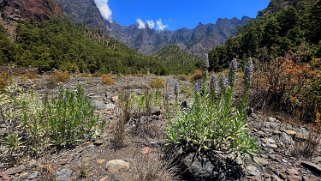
x=260 y=161
x=220 y=170
x=301 y=136
x=272 y=119
x=272 y=125
x=99 y=105
x=64 y=174
x=286 y=139
x=290 y=132
x=253 y=171
x=117 y=165
x=12 y=171
x=312 y=167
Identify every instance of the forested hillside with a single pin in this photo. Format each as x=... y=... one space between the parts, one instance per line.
x=59 y=44
x=284 y=26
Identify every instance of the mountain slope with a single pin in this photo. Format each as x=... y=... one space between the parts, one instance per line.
x=195 y=41
x=176 y=60
x=285 y=26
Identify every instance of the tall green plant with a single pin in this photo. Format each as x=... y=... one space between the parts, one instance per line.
x=71 y=118
x=213 y=124
x=63 y=121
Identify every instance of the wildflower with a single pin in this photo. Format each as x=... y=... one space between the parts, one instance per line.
x=206 y=62
x=223 y=82
x=213 y=84
x=248 y=72
x=176 y=89
x=197 y=85
x=232 y=73
x=167 y=97
x=10 y=71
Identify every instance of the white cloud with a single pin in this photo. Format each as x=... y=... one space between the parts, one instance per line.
x=104 y=9
x=160 y=25
x=150 y=24
x=141 y=24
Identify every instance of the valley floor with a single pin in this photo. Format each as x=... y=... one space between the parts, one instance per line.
x=280 y=155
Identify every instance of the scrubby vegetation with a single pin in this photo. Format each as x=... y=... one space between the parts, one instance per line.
x=37 y=124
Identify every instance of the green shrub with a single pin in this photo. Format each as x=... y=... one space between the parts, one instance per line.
x=63 y=121
x=71 y=118
x=214 y=123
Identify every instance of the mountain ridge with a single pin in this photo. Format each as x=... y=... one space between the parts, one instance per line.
x=148 y=41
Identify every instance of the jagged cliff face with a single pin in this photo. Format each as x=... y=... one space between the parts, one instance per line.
x=195 y=41
x=22 y=10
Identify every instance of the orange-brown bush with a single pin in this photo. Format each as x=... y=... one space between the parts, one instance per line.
x=60 y=77
x=30 y=75
x=157 y=83
x=289 y=85
x=197 y=75
x=107 y=79
x=3 y=80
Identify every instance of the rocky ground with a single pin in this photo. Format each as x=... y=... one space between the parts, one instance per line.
x=280 y=157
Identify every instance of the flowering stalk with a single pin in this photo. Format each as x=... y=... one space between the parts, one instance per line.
x=176 y=92
x=232 y=73
x=213 y=86
x=206 y=63
x=248 y=75
x=223 y=83
x=197 y=86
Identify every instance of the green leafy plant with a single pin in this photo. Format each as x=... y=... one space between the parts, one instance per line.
x=13 y=142
x=213 y=124
x=36 y=124
x=71 y=118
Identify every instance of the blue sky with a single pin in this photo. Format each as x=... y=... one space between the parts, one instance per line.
x=174 y=14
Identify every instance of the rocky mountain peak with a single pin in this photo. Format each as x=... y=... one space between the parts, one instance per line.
x=21 y=10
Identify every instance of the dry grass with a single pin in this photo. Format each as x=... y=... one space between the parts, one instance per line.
x=187 y=91
x=107 y=79
x=157 y=83
x=31 y=75
x=151 y=167
x=182 y=77
x=97 y=74
x=307 y=149
x=3 y=80
x=84 y=75
x=148 y=130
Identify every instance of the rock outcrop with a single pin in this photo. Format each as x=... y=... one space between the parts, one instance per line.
x=22 y=10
